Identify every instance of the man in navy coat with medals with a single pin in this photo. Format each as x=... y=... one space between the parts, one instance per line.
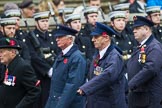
x=105 y=89
x=69 y=72
x=145 y=67
x=19 y=87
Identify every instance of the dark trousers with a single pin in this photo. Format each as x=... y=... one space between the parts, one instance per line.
x=45 y=88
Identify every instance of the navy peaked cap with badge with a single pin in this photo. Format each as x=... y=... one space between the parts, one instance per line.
x=64 y=30
x=102 y=29
x=9 y=43
x=141 y=21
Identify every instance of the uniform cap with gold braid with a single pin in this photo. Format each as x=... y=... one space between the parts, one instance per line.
x=71 y=17
x=152 y=9
x=9 y=43
x=121 y=7
x=117 y=14
x=7 y=21
x=41 y=15
x=91 y=9
x=13 y=13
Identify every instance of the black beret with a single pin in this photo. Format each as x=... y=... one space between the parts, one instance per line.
x=9 y=43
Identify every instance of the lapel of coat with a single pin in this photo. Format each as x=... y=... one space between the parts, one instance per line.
x=12 y=65
x=61 y=57
x=146 y=43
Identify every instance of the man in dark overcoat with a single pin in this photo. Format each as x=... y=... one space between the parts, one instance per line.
x=19 y=87
x=69 y=72
x=144 y=67
x=106 y=87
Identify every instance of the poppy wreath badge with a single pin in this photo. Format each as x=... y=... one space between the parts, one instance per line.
x=11 y=42
x=65 y=60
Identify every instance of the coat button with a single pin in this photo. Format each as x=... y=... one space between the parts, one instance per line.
x=130 y=51
x=50 y=35
x=37 y=35
x=83 y=46
x=24 y=40
x=21 y=33
x=129 y=43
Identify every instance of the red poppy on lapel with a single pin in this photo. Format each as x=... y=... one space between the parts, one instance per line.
x=65 y=60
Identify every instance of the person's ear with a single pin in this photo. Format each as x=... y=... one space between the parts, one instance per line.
x=112 y=23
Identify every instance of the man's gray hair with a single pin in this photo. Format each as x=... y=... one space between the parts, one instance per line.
x=73 y=37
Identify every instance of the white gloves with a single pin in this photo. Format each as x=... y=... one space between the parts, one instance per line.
x=50 y=72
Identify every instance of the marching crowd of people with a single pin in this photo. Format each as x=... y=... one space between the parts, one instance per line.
x=75 y=65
